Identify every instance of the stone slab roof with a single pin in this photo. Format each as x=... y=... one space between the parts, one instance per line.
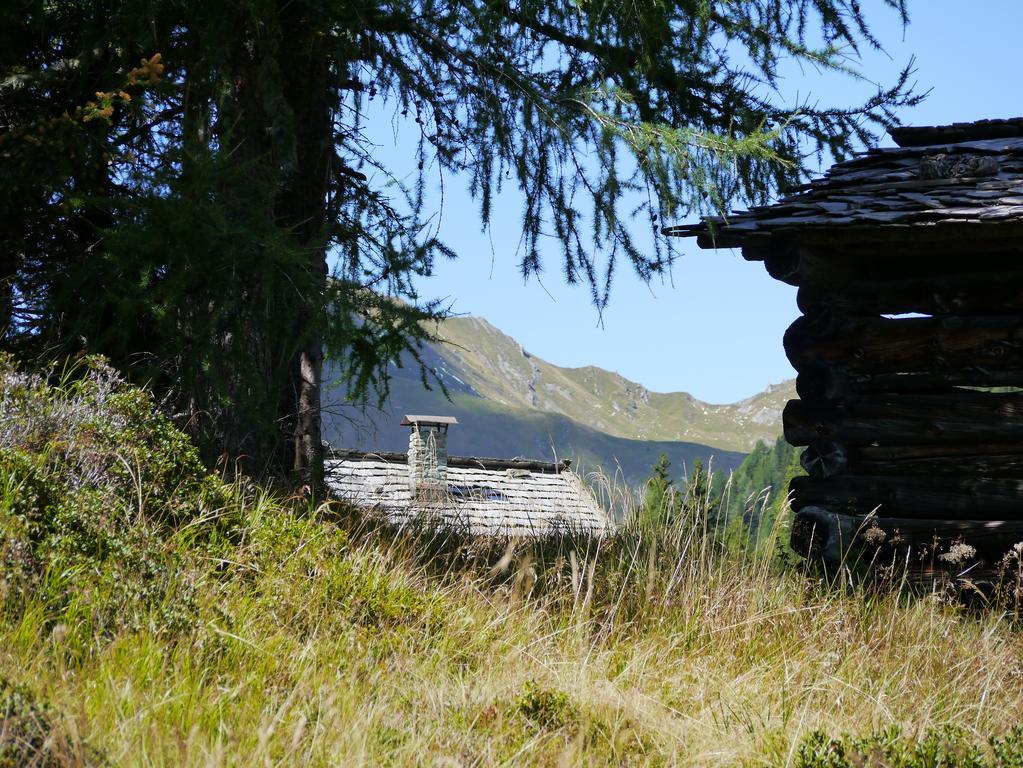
x=477 y=501
x=924 y=135
x=943 y=175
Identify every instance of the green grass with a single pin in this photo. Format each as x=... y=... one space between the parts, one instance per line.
x=257 y=630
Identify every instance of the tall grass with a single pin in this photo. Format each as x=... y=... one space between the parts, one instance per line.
x=304 y=636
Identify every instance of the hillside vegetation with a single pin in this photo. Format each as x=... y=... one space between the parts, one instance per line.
x=757 y=493
x=152 y=615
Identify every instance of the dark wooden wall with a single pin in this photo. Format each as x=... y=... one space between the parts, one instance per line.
x=918 y=419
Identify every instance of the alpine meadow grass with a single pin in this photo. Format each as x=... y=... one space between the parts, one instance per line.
x=153 y=615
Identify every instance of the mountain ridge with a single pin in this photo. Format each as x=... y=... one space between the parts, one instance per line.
x=510 y=402
x=606 y=400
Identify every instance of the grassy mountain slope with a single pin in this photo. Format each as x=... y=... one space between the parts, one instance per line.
x=498 y=368
x=512 y=403
x=489 y=429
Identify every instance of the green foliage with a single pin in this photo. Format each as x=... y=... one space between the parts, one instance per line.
x=25 y=726
x=660 y=497
x=942 y=748
x=755 y=505
x=748 y=510
x=699 y=484
x=665 y=507
x=175 y=173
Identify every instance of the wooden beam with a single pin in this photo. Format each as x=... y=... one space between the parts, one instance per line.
x=473 y=462
x=954 y=498
x=824 y=458
x=846 y=265
x=783 y=262
x=939 y=238
x=890 y=419
x=975 y=293
x=818 y=533
x=833 y=382
x=938 y=460
x=905 y=345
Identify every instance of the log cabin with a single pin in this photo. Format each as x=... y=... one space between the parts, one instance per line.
x=909 y=350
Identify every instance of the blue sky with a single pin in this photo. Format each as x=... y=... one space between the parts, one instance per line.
x=715 y=329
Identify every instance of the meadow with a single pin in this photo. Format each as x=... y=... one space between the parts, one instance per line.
x=154 y=615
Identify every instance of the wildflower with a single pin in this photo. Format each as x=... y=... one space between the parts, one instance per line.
x=58 y=633
x=874 y=536
x=958 y=553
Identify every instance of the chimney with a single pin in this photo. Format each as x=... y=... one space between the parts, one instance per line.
x=428 y=450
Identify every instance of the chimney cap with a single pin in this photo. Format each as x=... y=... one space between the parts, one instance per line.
x=413 y=420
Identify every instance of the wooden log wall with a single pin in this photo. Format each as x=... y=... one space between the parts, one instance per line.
x=910 y=381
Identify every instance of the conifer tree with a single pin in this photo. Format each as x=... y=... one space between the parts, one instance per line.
x=698 y=486
x=660 y=497
x=174 y=174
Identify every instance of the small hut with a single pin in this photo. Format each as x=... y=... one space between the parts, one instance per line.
x=427 y=488
x=909 y=350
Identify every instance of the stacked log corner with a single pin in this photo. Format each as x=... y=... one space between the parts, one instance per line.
x=912 y=425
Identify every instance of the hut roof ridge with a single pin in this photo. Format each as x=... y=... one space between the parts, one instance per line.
x=930 y=180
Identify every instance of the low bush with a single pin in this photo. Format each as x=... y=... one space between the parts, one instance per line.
x=31 y=738
x=942 y=748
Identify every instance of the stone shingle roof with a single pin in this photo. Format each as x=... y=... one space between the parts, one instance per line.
x=478 y=501
x=965 y=173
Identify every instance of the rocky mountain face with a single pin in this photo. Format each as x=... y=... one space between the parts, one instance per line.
x=511 y=402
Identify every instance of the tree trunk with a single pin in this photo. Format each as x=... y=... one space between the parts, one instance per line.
x=8 y=274
x=242 y=392
x=278 y=126
x=302 y=209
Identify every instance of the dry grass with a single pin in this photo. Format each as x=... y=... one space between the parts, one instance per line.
x=315 y=643
x=150 y=616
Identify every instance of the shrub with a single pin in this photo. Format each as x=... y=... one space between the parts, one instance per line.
x=547 y=708
x=94 y=482
x=29 y=736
